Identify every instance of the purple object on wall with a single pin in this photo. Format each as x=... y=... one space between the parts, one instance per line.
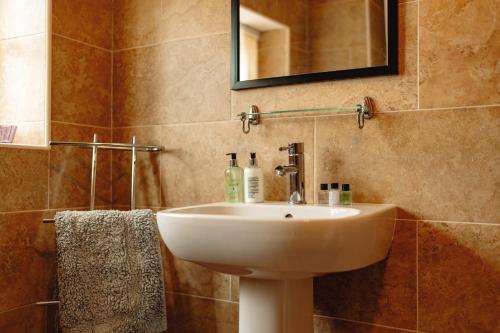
x=7 y=133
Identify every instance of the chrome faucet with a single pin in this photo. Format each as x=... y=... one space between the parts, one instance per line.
x=295 y=169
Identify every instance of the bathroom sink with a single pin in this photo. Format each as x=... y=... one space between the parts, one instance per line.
x=276 y=249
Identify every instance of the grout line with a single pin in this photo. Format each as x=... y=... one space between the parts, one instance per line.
x=416 y=261
x=200 y=297
x=171 y=41
x=418 y=54
x=160 y=190
x=19 y=307
x=451 y=108
x=308 y=116
x=81 y=42
x=80 y=125
x=48 y=178
x=452 y=222
x=46 y=210
x=315 y=141
x=230 y=287
x=111 y=102
x=365 y=323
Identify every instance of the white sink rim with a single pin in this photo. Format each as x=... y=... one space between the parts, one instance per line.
x=351 y=212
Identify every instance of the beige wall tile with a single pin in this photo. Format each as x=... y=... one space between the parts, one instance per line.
x=23 y=79
x=27 y=259
x=459 y=52
x=22 y=18
x=197 y=315
x=328 y=325
x=438 y=165
x=197 y=80
x=384 y=293
x=28 y=319
x=70 y=168
x=136 y=23
x=176 y=82
x=24 y=178
x=138 y=82
x=193 y=166
x=89 y=21
x=389 y=92
x=190 y=18
x=459 y=280
x=189 y=278
x=81 y=83
x=147 y=168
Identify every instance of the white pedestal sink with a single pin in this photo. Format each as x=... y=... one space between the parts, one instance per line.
x=277 y=249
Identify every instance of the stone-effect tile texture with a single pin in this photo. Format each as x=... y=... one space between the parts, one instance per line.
x=81 y=95
x=193 y=167
x=27 y=264
x=29 y=319
x=147 y=169
x=384 y=293
x=23 y=176
x=70 y=168
x=89 y=21
x=421 y=161
x=459 y=53
x=81 y=83
x=438 y=164
x=176 y=82
x=327 y=325
x=200 y=315
x=459 y=277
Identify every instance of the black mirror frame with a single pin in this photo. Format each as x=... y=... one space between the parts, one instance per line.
x=390 y=69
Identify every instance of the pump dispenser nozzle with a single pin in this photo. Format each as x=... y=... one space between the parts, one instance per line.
x=233 y=162
x=253 y=160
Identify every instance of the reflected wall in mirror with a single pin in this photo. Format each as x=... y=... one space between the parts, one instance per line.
x=24 y=75
x=291 y=41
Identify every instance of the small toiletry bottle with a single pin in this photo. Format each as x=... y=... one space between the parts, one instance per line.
x=346 y=195
x=233 y=181
x=334 y=194
x=323 y=194
x=253 y=181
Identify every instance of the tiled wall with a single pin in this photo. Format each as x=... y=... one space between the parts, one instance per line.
x=23 y=69
x=36 y=183
x=433 y=150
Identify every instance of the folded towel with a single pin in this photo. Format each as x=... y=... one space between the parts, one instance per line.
x=109 y=272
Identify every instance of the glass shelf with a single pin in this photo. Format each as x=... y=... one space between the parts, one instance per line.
x=364 y=111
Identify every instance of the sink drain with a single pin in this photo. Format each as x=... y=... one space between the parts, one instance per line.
x=288 y=216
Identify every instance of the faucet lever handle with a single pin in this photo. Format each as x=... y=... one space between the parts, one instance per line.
x=293 y=148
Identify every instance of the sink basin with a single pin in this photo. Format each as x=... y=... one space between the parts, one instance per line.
x=276 y=249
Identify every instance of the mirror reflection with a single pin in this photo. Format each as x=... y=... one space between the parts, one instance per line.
x=290 y=37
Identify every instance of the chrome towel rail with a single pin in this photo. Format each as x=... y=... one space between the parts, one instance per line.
x=95 y=146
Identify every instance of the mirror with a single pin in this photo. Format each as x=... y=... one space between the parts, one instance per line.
x=277 y=42
x=24 y=72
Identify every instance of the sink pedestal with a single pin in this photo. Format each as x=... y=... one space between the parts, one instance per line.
x=276 y=306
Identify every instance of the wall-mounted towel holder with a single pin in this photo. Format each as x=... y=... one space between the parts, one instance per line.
x=95 y=146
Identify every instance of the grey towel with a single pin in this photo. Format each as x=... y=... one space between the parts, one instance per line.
x=109 y=272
